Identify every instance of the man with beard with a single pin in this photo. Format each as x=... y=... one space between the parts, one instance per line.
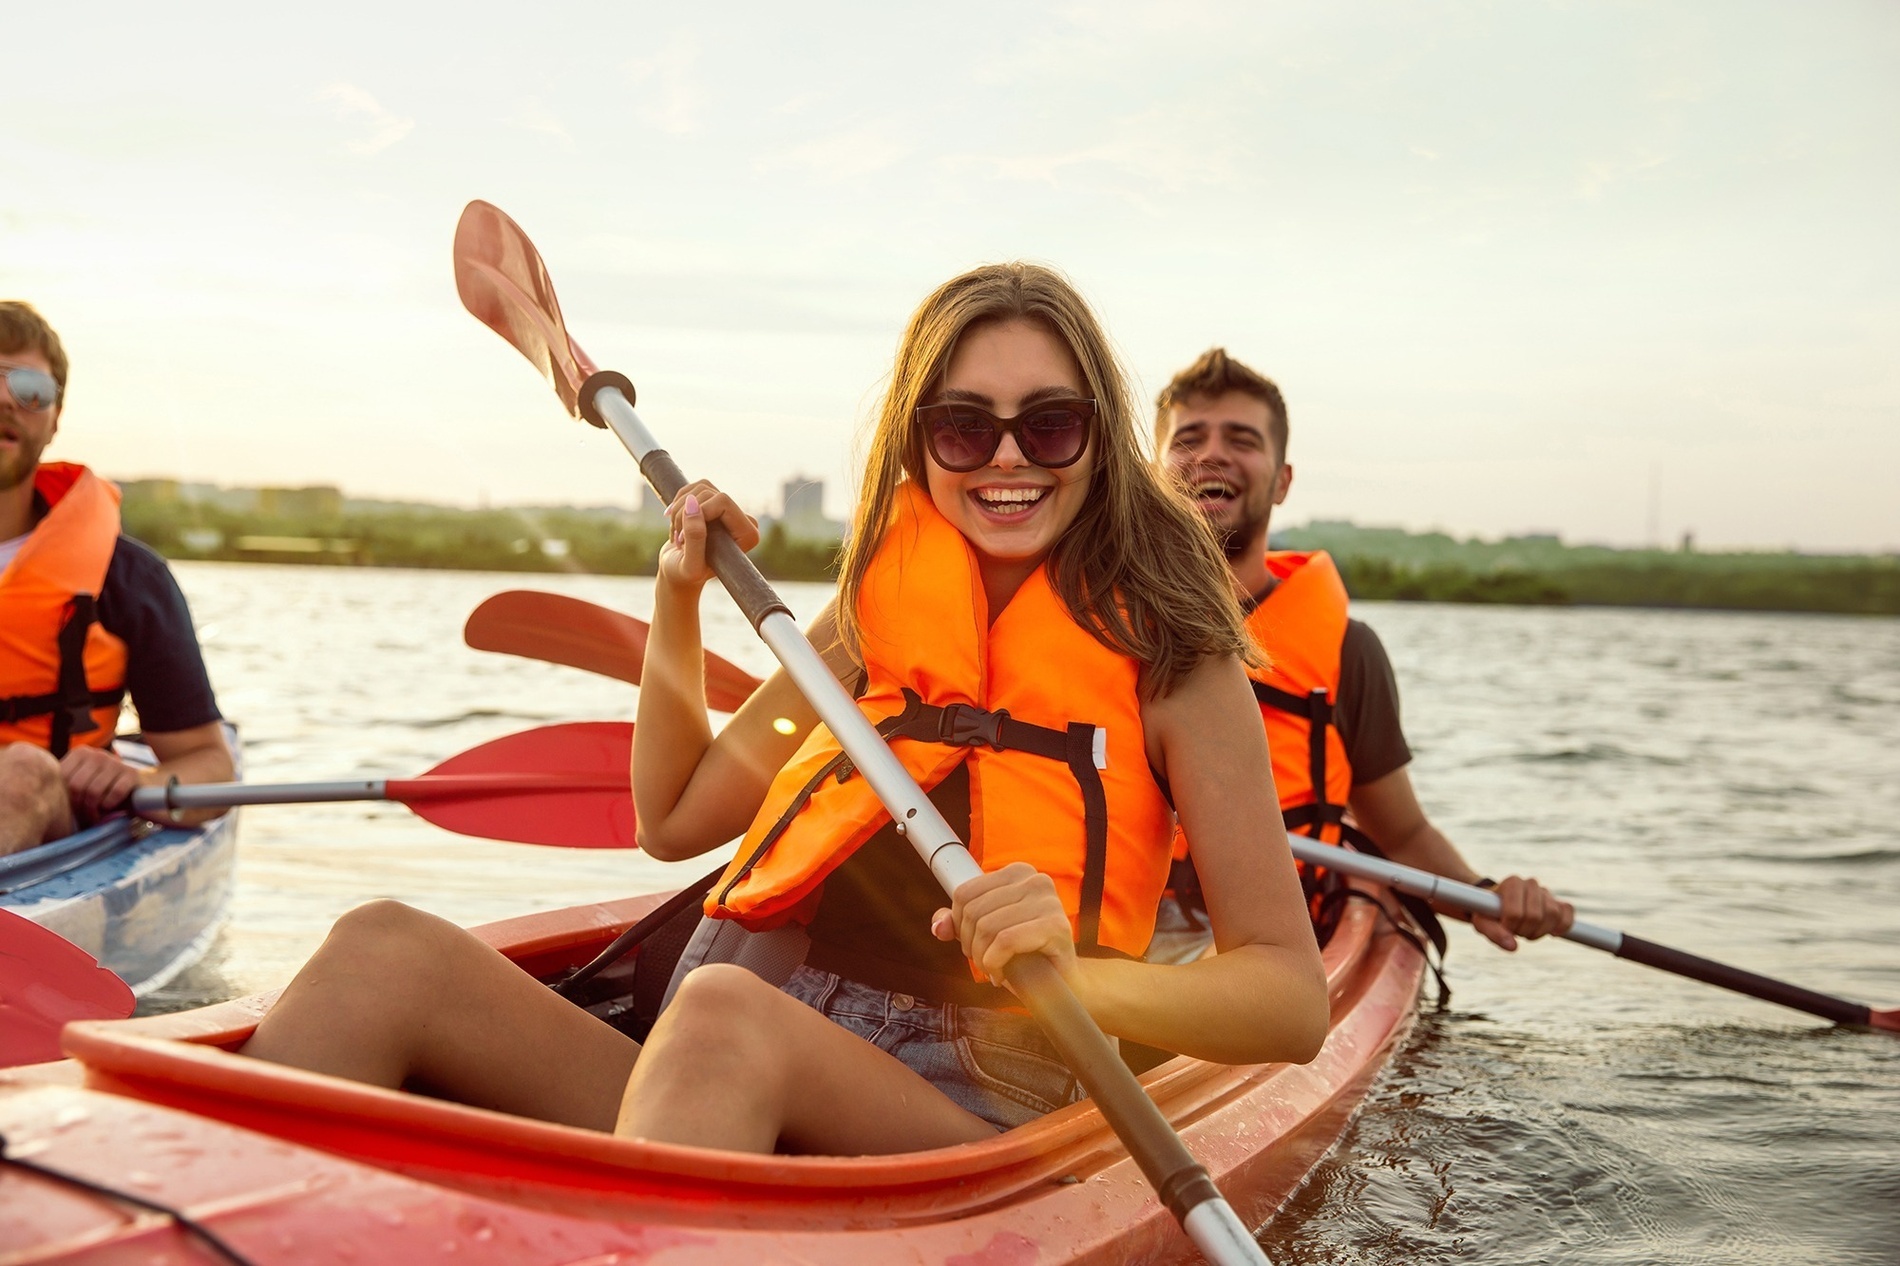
x=1328 y=696
x=86 y=617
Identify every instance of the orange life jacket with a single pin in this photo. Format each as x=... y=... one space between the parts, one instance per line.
x=1047 y=718
x=1299 y=627
x=62 y=676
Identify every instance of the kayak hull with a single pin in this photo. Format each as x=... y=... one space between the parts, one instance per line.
x=146 y=903
x=1057 y=1190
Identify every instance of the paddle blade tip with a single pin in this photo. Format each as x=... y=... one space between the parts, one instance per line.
x=1887 y=1021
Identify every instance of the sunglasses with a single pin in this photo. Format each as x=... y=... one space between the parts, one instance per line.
x=964 y=437
x=32 y=389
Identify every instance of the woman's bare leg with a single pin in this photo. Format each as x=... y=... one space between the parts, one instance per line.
x=735 y=1064
x=397 y=995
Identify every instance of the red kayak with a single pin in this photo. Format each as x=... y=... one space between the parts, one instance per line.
x=208 y=1155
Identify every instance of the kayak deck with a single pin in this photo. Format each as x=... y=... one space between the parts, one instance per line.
x=1058 y=1189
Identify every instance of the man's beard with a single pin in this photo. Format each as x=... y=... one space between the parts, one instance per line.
x=19 y=468
x=1238 y=541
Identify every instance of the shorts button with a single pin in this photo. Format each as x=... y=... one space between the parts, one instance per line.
x=902 y=1002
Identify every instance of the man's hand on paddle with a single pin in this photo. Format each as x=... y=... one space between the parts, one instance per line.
x=97 y=782
x=1530 y=910
x=683 y=558
x=1007 y=912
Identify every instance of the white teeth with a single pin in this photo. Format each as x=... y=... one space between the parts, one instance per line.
x=1010 y=500
x=1213 y=488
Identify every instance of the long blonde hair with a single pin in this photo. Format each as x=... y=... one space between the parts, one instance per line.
x=1139 y=568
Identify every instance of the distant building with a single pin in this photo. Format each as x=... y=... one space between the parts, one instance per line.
x=804 y=515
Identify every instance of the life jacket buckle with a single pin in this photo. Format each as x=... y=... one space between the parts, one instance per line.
x=966 y=725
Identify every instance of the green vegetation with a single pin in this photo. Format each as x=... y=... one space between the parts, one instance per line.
x=319 y=526
x=335 y=532
x=1386 y=563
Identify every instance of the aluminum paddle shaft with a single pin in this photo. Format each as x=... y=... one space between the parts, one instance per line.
x=1178 y=1179
x=1480 y=901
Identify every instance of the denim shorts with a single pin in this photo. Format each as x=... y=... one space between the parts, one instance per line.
x=996 y=1064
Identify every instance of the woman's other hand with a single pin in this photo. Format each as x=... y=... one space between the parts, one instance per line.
x=683 y=558
x=1015 y=910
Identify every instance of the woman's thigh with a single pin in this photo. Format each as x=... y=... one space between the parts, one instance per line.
x=399 y=996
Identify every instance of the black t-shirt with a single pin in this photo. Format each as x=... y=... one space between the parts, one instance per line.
x=141 y=605
x=1367 y=708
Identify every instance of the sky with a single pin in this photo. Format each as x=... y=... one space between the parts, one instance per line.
x=1613 y=270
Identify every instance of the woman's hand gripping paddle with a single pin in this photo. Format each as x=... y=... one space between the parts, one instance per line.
x=1475 y=900
x=561 y=785
x=580 y=634
x=503 y=282
x=45 y=983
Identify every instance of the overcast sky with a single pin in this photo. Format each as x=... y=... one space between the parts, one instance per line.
x=1514 y=264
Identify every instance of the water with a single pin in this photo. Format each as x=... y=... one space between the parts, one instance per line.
x=1722 y=783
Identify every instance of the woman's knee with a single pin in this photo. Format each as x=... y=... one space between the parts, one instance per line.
x=721 y=1010
x=386 y=936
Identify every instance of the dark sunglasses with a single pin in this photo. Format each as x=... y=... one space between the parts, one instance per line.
x=963 y=437
x=32 y=389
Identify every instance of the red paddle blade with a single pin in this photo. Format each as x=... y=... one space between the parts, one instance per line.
x=505 y=285
x=46 y=982
x=584 y=635
x=1888 y=1020
x=563 y=785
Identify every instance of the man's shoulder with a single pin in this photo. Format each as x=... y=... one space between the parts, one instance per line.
x=135 y=562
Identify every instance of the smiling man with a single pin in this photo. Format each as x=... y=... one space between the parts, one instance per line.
x=1328 y=696
x=86 y=616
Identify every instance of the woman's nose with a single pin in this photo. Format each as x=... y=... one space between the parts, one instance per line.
x=1008 y=455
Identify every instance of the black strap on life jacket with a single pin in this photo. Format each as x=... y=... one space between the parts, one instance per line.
x=71 y=702
x=1313 y=819
x=966 y=725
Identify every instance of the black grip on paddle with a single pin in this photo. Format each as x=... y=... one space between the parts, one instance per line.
x=1766 y=988
x=591 y=388
x=1178 y=1179
x=735 y=571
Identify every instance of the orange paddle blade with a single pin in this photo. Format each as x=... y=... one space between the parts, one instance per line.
x=562 y=785
x=46 y=982
x=584 y=635
x=502 y=281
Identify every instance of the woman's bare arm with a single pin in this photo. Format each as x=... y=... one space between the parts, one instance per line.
x=693 y=790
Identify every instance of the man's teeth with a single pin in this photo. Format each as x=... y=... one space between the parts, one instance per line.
x=1010 y=500
x=1213 y=488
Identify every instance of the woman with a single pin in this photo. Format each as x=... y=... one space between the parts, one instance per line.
x=1013 y=550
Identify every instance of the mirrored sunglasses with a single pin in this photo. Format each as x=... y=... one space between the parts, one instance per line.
x=32 y=389
x=964 y=437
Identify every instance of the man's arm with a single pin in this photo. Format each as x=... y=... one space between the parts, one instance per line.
x=1388 y=810
x=97 y=782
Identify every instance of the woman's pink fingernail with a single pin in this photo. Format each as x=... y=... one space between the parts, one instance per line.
x=692 y=504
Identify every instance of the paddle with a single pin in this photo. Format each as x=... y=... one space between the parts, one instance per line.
x=1475 y=900
x=581 y=634
x=45 y=982
x=561 y=785
x=503 y=282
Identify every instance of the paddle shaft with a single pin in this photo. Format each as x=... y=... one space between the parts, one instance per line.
x=1480 y=901
x=1180 y=1181
x=230 y=795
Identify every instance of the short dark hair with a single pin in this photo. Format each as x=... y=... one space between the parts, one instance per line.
x=22 y=328
x=1215 y=374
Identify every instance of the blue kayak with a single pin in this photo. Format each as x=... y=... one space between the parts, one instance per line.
x=146 y=901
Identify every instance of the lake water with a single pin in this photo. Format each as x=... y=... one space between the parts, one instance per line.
x=1724 y=783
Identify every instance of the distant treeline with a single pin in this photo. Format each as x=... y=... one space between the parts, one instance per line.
x=466 y=540
x=1377 y=563
x=1871 y=587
